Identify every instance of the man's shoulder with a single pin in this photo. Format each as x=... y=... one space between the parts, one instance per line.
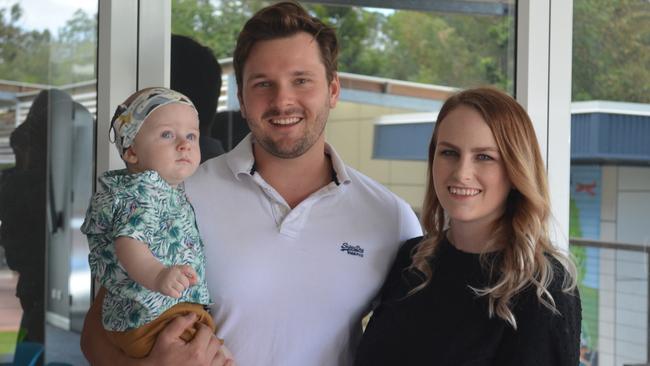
x=365 y=184
x=211 y=167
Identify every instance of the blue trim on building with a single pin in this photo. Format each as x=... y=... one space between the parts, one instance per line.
x=596 y=138
x=610 y=138
x=404 y=141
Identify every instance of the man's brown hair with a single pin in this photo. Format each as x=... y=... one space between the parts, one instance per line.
x=281 y=20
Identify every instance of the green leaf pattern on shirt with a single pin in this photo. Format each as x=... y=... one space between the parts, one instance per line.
x=144 y=207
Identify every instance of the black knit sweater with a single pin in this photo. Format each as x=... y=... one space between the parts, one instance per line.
x=447 y=324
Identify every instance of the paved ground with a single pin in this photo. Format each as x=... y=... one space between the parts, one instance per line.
x=63 y=347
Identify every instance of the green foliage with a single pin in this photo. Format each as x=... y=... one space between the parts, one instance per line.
x=74 y=52
x=359 y=35
x=575 y=231
x=611 y=44
x=38 y=57
x=24 y=55
x=433 y=48
x=213 y=24
x=611 y=50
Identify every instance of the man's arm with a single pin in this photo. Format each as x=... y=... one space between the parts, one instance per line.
x=94 y=343
x=169 y=349
x=145 y=269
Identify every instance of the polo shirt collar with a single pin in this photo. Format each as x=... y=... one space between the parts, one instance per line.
x=241 y=161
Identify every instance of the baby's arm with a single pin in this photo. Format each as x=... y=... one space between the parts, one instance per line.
x=145 y=269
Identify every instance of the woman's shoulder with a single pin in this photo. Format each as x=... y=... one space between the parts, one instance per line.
x=397 y=283
x=407 y=248
x=404 y=257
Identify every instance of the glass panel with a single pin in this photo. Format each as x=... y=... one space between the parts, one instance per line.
x=47 y=103
x=394 y=62
x=610 y=177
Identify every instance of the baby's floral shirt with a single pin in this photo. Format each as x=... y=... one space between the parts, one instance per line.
x=142 y=206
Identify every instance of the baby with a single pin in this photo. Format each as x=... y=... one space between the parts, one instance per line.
x=144 y=243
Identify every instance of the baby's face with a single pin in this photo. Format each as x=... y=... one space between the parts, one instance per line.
x=168 y=142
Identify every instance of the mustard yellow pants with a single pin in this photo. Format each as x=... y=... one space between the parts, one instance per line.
x=139 y=341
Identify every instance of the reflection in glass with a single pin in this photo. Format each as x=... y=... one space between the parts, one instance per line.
x=459 y=49
x=610 y=178
x=45 y=45
x=22 y=211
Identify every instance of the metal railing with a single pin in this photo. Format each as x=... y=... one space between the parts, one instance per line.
x=615 y=289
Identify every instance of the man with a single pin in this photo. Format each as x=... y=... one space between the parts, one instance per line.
x=297 y=244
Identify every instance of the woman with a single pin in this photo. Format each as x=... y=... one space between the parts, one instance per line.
x=485 y=286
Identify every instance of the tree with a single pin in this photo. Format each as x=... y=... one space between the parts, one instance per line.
x=75 y=49
x=213 y=24
x=611 y=45
x=24 y=55
x=38 y=57
x=444 y=49
x=611 y=50
x=360 y=36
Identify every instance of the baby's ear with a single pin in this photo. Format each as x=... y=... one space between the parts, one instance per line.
x=130 y=156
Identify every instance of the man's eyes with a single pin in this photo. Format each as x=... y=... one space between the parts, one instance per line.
x=262 y=84
x=267 y=84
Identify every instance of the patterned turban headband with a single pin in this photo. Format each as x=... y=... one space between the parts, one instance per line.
x=127 y=120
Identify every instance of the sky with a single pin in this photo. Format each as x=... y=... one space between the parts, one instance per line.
x=52 y=14
x=49 y=14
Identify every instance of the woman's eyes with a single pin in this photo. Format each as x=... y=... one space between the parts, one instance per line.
x=453 y=153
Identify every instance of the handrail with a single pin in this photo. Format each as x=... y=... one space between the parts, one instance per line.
x=580 y=242
x=641 y=248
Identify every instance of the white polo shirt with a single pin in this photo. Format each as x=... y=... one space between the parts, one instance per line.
x=290 y=286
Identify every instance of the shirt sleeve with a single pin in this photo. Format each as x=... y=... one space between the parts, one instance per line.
x=409 y=224
x=544 y=338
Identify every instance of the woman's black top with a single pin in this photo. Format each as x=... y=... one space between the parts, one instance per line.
x=446 y=323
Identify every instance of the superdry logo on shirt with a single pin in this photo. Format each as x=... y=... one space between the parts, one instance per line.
x=352 y=250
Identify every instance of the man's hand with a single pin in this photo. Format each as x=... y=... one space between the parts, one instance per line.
x=173 y=280
x=204 y=349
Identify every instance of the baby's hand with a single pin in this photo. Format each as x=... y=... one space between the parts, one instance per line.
x=172 y=281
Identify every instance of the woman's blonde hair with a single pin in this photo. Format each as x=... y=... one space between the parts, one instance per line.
x=523 y=229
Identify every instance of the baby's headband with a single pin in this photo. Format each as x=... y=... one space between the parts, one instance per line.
x=127 y=120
